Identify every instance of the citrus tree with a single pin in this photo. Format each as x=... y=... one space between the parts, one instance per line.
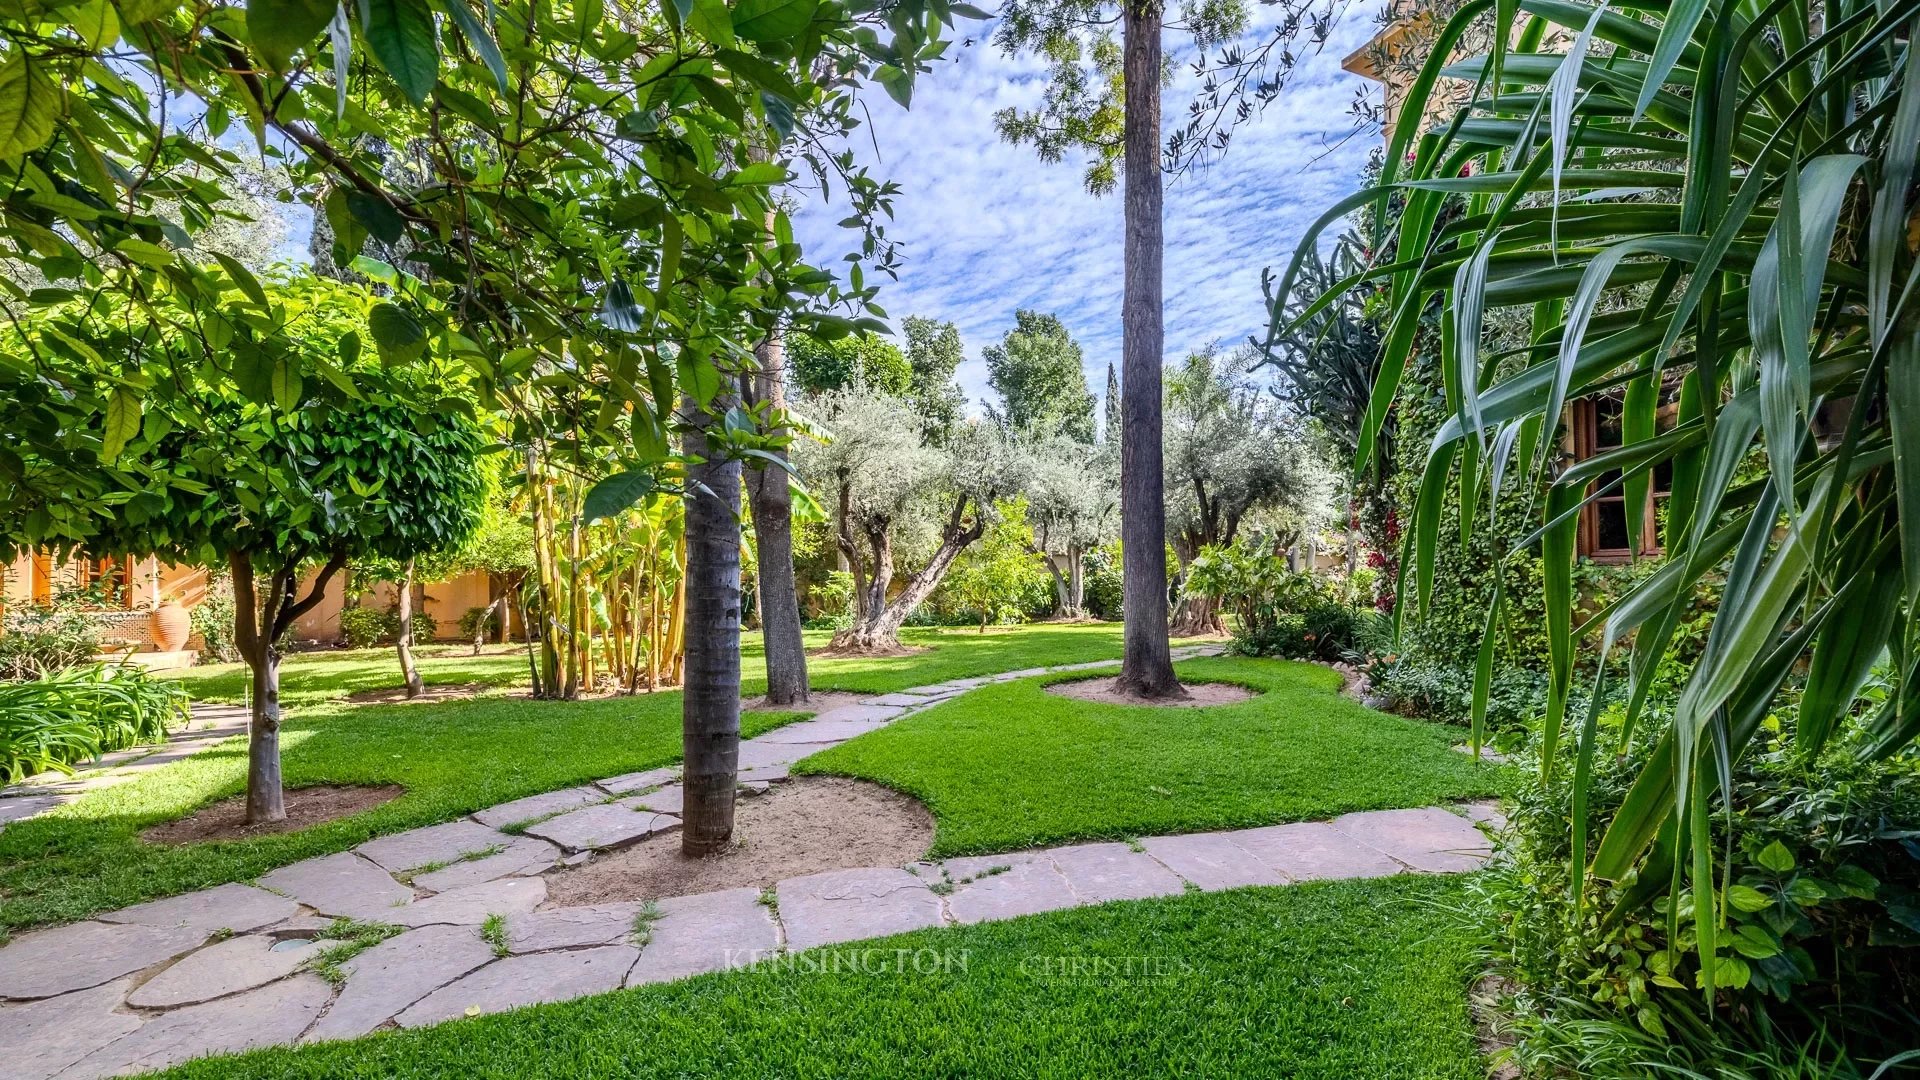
x=1715 y=200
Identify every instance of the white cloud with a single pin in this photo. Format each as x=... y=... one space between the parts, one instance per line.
x=987 y=227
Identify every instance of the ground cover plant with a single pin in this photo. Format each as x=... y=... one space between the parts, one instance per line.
x=78 y=713
x=452 y=758
x=1011 y=766
x=1314 y=982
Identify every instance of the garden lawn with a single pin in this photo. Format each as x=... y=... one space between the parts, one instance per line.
x=309 y=678
x=1009 y=766
x=453 y=758
x=1330 y=981
x=947 y=652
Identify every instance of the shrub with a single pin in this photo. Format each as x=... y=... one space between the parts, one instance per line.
x=364 y=627
x=425 y=628
x=1104 y=587
x=1278 y=612
x=212 y=620
x=40 y=639
x=1820 y=903
x=79 y=713
x=1436 y=691
x=477 y=621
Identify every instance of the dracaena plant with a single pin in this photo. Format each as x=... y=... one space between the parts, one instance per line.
x=1713 y=196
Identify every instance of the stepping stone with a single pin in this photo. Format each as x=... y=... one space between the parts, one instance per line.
x=1102 y=872
x=445 y=843
x=1028 y=886
x=1314 y=850
x=847 y=905
x=600 y=828
x=396 y=973
x=534 y=807
x=765 y=773
x=1212 y=861
x=570 y=928
x=525 y=980
x=631 y=782
x=1023 y=673
x=1428 y=839
x=1486 y=812
x=754 y=787
x=1088 y=666
x=227 y=967
x=901 y=700
x=343 y=884
x=238 y=908
x=818 y=732
x=525 y=855
x=470 y=905
x=756 y=755
x=44 y=1037
x=79 y=955
x=665 y=801
x=933 y=691
x=268 y=1016
x=710 y=932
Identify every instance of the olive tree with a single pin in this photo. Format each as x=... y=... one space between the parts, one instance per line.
x=1073 y=506
x=892 y=489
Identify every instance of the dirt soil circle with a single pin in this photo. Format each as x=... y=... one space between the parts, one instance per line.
x=307 y=806
x=802 y=826
x=818 y=702
x=1199 y=695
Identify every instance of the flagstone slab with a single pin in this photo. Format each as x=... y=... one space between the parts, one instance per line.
x=766 y=773
x=342 y=884
x=525 y=855
x=1428 y=838
x=821 y=732
x=608 y=826
x=901 y=700
x=1102 y=872
x=933 y=690
x=470 y=905
x=269 y=1016
x=668 y=800
x=435 y=844
x=237 y=908
x=1028 y=885
x=628 y=783
x=1486 y=812
x=43 y=1037
x=709 y=932
x=846 y=905
x=73 y=957
x=396 y=973
x=524 y=980
x=18 y=807
x=756 y=755
x=534 y=807
x=1314 y=850
x=226 y=967
x=1211 y=861
x=572 y=927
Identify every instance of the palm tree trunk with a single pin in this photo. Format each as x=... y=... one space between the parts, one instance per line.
x=1146 y=666
x=710 y=704
x=773 y=526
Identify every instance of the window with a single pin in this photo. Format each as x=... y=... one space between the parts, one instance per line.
x=1604 y=535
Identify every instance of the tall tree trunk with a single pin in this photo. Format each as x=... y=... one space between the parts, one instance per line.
x=786 y=652
x=710 y=705
x=1146 y=666
x=409 y=671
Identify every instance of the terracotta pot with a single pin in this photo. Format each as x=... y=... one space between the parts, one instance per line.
x=171 y=627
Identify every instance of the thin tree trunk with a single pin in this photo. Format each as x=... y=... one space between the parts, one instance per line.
x=1146 y=666
x=252 y=636
x=408 y=669
x=710 y=704
x=786 y=651
x=879 y=631
x=1077 y=580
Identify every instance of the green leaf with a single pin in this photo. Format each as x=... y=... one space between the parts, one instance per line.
x=397 y=335
x=772 y=20
x=616 y=493
x=144 y=252
x=478 y=37
x=29 y=106
x=286 y=384
x=1748 y=899
x=280 y=28
x=711 y=20
x=1776 y=857
x=243 y=279
x=96 y=23
x=403 y=38
x=377 y=215
x=123 y=422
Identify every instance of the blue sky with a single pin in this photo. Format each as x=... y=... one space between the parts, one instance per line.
x=988 y=228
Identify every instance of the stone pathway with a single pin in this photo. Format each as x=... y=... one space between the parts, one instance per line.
x=468 y=929
x=41 y=793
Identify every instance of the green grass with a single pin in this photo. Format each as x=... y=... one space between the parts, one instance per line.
x=453 y=758
x=1332 y=981
x=1010 y=766
x=315 y=677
